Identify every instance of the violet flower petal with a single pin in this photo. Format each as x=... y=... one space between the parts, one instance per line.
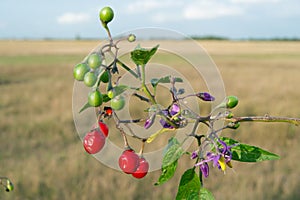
x=205 y=96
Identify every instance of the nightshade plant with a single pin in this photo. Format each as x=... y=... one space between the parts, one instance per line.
x=212 y=150
x=7 y=184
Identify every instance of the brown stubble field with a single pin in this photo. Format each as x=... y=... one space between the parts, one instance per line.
x=42 y=154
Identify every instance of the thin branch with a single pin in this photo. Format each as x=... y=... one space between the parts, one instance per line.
x=266 y=118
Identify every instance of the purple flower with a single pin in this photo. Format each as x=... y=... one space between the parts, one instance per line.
x=174 y=109
x=163 y=122
x=219 y=159
x=149 y=121
x=204 y=169
x=205 y=96
x=169 y=113
x=194 y=155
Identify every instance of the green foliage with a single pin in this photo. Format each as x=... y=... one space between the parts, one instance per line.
x=189 y=185
x=248 y=153
x=166 y=79
x=171 y=155
x=167 y=173
x=205 y=194
x=141 y=56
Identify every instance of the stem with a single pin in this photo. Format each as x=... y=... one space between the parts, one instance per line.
x=266 y=118
x=127 y=68
x=126 y=144
x=145 y=88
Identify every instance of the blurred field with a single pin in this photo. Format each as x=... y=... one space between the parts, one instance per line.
x=41 y=153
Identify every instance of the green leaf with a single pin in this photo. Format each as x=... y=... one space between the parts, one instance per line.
x=174 y=152
x=248 y=153
x=167 y=173
x=172 y=141
x=141 y=56
x=166 y=79
x=119 y=89
x=205 y=194
x=84 y=107
x=170 y=161
x=189 y=185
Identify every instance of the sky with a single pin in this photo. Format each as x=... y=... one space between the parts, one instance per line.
x=68 y=19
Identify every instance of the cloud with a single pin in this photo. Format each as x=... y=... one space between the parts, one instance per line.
x=73 y=18
x=210 y=10
x=151 y=5
x=162 y=11
x=254 y=1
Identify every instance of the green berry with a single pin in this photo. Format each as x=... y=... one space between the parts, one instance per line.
x=111 y=94
x=131 y=38
x=117 y=103
x=106 y=15
x=105 y=77
x=232 y=101
x=94 y=60
x=95 y=98
x=80 y=70
x=9 y=186
x=230 y=115
x=90 y=79
x=234 y=125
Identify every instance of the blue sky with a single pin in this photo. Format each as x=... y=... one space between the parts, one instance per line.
x=38 y=19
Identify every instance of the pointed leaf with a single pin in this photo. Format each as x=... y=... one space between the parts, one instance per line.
x=119 y=89
x=141 y=56
x=248 y=153
x=84 y=107
x=189 y=185
x=172 y=141
x=205 y=194
x=167 y=173
x=166 y=79
x=173 y=153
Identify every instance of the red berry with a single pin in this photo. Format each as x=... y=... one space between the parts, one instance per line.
x=93 y=141
x=129 y=161
x=103 y=127
x=142 y=170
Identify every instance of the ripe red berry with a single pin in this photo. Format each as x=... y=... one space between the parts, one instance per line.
x=93 y=141
x=129 y=161
x=142 y=170
x=104 y=128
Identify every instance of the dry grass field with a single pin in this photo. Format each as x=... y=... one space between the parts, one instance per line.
x=41 y=153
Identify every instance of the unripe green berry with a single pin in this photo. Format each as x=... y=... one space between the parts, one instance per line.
x=111 y=94
x=232 y=101
x=131 y=38
x=230 y=115
x=106 y=15
x=90 y=79
x=94 y=60
x=234 y=125
x=117 y=103
x=9 y=186
x=80 y=70
x=95 y=98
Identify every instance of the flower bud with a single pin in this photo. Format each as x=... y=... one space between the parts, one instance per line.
x=205 y=96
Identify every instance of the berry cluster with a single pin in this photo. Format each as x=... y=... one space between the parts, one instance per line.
x=93 y=71
x=211 y=147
